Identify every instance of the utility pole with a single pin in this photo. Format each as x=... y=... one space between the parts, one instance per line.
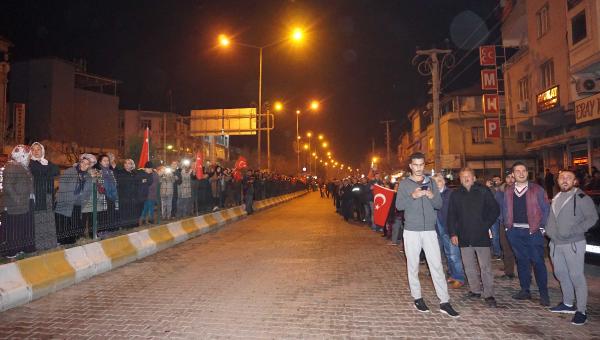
x=372 y=147
x=430 y=65
x=387 y=137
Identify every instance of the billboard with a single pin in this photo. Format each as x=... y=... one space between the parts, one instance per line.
x=216 y=122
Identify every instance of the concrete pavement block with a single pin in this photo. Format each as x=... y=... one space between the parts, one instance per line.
x=143 y=243
x=179 y=234
x=161 y=236
x=14 y=291
x=95 y=253
x=77 y=258
x=120 y=250
x=46 y=273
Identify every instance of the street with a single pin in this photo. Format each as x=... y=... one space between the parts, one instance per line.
x=293 y=271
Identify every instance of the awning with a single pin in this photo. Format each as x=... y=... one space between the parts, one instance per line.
x=578 y=135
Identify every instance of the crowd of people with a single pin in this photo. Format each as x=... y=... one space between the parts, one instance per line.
x=511 y=220
x=37 y=214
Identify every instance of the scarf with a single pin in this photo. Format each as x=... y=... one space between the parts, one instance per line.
x=41 y=159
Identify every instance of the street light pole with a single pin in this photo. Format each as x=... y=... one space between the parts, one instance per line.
x=259 y=120
x=298 y=141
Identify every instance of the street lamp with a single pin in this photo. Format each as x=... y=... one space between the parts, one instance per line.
x=296 y=35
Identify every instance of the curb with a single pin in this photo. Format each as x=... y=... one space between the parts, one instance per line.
x=29 y=279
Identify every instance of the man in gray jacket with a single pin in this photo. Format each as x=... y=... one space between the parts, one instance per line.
x=572 y=213
x=419 y=197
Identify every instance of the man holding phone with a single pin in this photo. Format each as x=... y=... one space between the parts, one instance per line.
x=419 y=198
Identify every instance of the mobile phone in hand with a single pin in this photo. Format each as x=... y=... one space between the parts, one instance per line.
x=425 y=187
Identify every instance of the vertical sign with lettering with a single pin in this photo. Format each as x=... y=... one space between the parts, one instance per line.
x=19 y=123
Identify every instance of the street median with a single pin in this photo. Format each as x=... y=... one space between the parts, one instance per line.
x=31 y=278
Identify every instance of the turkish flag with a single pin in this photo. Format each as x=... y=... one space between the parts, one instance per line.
x=199 y=171
x=240 y=164
x=382 y=202
x=145 y=155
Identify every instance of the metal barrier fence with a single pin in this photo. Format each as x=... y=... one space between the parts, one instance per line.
x=43 y=213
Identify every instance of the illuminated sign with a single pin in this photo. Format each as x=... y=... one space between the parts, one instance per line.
x=547 y=100
x=492 y=127
x=587 y=109
x=489 y=79
x=487 y=55
x=491 y=103
x=580 y=161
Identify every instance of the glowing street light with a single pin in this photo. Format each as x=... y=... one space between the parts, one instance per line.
x=297 y=34
x=314 y=105
x=305 y=146
x=224 y=40
x=278 y=106
x=325 y=144
x=321 y=136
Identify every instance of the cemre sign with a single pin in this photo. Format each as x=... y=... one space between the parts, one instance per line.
x=587 y=109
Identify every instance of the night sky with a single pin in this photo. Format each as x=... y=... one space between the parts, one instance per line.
x=356 y=57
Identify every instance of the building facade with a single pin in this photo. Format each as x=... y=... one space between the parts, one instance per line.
x=66 y=106
x=556 y=68
x=170 y=137
x=463 y=137
x=5 y=45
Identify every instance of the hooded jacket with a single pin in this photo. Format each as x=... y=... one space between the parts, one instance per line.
x=420 y=213
x=569 y=222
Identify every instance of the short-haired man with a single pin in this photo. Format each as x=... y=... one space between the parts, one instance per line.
x=508 y=257
x=525 y=211
x=472 y=211
x=572 y=213
x=419 y=197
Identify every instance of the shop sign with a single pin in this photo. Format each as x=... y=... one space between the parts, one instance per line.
x=487 y=55
x=547 y=100
x=587 y=109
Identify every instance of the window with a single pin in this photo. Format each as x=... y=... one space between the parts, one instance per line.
x=572 y=3
x=146 y=123
x=543 y=21
x=120 y=142
x=524 y=89
x=578 y=28
x=478 y=135
x=524 y=136
x=547 y=70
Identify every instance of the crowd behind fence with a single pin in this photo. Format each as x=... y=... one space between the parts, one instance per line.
x=42 y=208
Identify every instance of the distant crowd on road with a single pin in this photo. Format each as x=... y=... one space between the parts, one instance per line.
x=42 y=207
x=508 y=220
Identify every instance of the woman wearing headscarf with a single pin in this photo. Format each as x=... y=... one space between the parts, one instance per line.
x=184 y=192
x=17 y=229
x=43 y=172
x=71 y=197
x=107 y=186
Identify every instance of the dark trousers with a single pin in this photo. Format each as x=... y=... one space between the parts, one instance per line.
x=507 y=254
x=529 y=250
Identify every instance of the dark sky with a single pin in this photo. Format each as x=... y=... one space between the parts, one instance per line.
x=356 y=57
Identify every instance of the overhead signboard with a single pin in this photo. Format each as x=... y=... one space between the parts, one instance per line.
x=489 y=79
x=216 y=122
x=487 y=55
x=587 y=109
x=491 y=103
x=547 y=100
x=19 y=123
x=492 y=127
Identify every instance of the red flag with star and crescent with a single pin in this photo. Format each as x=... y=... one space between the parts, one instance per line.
x=383 y=199
x=145 y=154
x=240 y=164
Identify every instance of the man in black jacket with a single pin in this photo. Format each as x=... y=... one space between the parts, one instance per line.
x=472 y=211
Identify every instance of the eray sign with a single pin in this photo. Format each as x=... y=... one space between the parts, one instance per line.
x=587 y=109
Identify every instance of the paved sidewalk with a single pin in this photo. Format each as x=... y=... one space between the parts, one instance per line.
x=293 y=271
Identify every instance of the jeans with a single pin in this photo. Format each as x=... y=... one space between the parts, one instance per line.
x=148 y=211
x=496 y=249
x=452 y=252
x=529 y=249
x=396 y=229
